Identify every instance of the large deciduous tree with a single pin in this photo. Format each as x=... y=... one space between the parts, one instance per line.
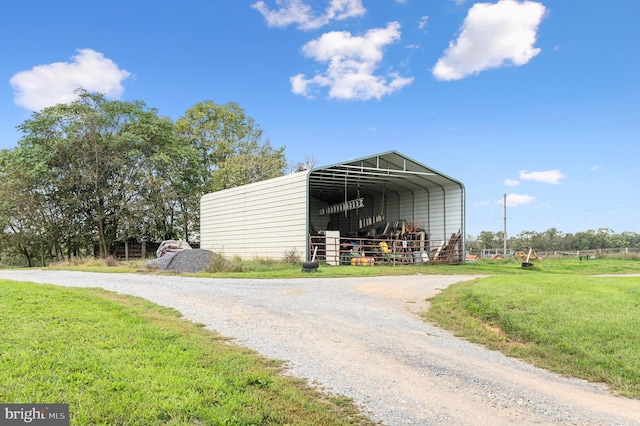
x=22 y=208
x=230 y=146
x=230 y=152
x=96 y=171
x=94 y=160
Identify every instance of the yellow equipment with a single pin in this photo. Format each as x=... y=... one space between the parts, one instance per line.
x=531 y=254
x=523 y=255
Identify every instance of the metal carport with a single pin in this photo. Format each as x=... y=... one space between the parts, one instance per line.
x=355 y=198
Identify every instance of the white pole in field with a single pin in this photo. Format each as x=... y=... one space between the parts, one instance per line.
x=505 y=227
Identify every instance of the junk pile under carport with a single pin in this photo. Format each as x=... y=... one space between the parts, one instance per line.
x=400 y=242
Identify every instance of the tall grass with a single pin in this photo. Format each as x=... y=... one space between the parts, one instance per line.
x=235 y=267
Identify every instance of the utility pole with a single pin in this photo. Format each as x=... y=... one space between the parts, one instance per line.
x=504 y=233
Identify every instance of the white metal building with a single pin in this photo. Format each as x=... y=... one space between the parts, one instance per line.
x=267 y=219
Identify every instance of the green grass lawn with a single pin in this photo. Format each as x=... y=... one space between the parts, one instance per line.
x=576 y=325
x=120 y=360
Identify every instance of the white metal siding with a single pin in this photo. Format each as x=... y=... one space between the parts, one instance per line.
x=259 y=220
x=446 y=213
x=391 y=203
x=455 y=210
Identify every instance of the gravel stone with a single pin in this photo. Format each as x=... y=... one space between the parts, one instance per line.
x=161 y=263
x=362 y=338
x=185 y=261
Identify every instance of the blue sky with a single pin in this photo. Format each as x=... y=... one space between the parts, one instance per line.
x=539 y=100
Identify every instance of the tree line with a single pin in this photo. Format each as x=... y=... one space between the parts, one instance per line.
x=94 y=172
x=555 y=240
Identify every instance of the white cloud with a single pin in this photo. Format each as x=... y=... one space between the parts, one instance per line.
x=514 y=200
x=549 y=176
x=511 y=182
x=492 y=35
x=481 y=203
x=352 y=61
x=595 y=167
x=298 y=12
x=422 y=23
x=46 y=85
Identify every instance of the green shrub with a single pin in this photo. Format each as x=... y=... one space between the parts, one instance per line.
x=291 y=256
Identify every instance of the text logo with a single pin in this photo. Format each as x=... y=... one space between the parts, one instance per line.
x=34 y=414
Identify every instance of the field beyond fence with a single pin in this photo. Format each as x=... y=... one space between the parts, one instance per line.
x=621 y=251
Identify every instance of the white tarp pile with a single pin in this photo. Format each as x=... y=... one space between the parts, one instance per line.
x=172 y=247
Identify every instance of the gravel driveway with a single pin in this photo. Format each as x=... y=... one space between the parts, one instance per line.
x=361 y=337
